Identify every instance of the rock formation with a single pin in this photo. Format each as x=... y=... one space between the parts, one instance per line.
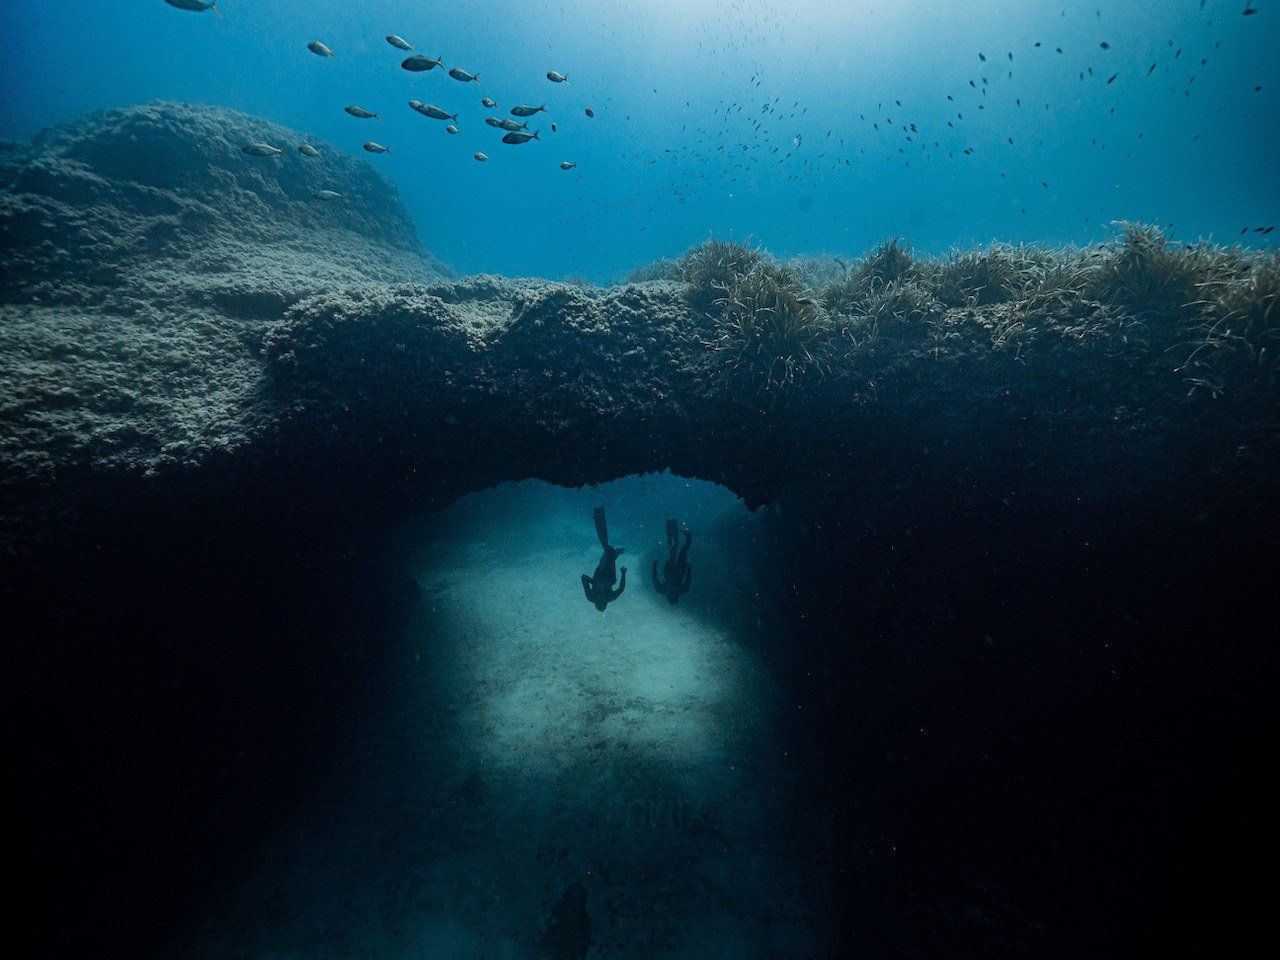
x=211 y=380
x=176 y=311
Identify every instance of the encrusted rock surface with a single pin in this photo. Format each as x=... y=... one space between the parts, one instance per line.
x=179 y=315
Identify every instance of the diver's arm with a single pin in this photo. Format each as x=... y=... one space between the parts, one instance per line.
x=688 y=578
x=657 y=584
x=586 y=587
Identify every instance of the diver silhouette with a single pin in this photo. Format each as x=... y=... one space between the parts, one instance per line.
x=676 y=572
x=599 y=587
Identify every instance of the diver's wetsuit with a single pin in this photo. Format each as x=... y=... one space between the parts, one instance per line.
x=599 y=587
x=677 y=572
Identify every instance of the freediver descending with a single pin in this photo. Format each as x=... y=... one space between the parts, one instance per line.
x=599 y=587
x=676 y=572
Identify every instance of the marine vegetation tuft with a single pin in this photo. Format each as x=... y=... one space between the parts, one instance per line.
x=883 y=286
x=1237 y=338
x=891 y=261
x=711 y=266
x=1149 y=277
x=769 y=326
x=994 y=274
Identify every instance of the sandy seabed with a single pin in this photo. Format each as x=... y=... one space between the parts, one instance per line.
x=534 y=778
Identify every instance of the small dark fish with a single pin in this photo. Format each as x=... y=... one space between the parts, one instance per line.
x=262 y=150
x=432 y=111
x=524 y=110
x=418 y=63
x=1111 y=78
x=521 y=136
x=982 y=57
x=1104 y=45
x=1247 y=12
x=590 y=112
x=553 y=127
x=197 y=6
x=1152 y=70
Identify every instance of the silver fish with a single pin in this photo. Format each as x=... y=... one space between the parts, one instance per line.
x=418 y=63
x=400 y=43
x=307 y=150
x=524 y=110
x=480 y=156
x=494 y=121
x=451 y=129
x=555 y=77
x=262 y=150
x=329 y=195
x=361 y=113
x=431 y=110
x=488 y=102
x=459 y=74
x=566 y=165
x=521 y=136
x=320 y=49
x=198 y=6
x=508 y=124
x=376 y=147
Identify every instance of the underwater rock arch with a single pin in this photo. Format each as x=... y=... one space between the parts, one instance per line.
x=217 y=330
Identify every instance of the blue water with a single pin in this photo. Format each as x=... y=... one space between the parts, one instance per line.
x=783 y=123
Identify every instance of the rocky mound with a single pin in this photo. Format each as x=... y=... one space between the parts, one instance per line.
x=145 y=254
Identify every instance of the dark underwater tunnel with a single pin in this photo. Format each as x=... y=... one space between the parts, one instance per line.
x=952 y=712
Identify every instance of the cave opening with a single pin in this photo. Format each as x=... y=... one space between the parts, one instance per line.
x=513 y=746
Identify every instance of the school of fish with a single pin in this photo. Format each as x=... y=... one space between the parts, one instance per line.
x=748 y=134
x=514 y=133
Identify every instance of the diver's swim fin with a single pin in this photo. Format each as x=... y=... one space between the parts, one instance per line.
x=602 y=528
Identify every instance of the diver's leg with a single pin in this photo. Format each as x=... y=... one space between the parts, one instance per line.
x=673 y=536
x=684 y=551
x=602 y=528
